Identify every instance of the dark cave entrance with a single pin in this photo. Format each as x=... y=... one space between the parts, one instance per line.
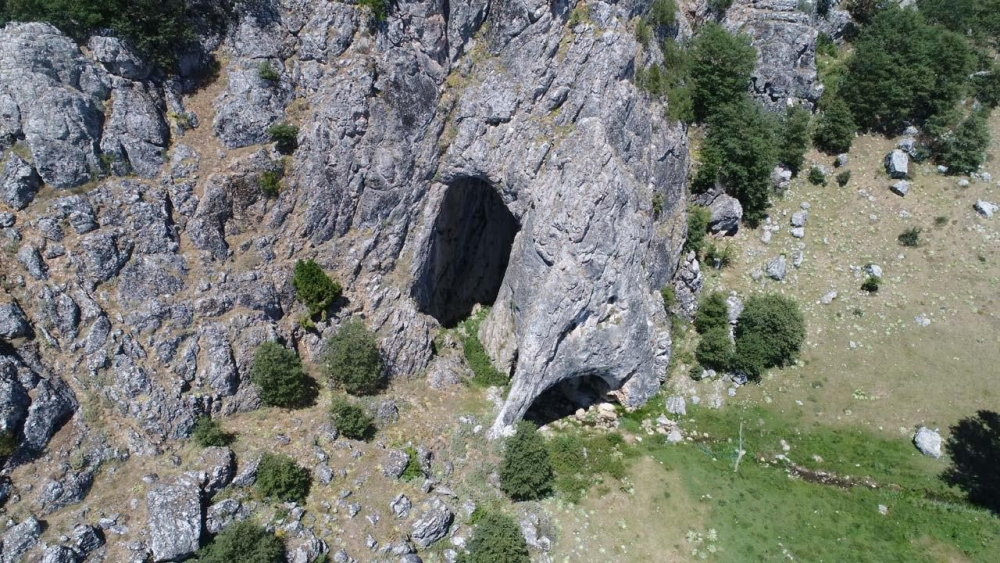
x=564 y=398
x=469 y=251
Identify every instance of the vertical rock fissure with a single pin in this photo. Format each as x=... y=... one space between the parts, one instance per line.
x=468 y=252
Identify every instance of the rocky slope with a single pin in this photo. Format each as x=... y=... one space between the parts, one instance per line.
x=458 y=153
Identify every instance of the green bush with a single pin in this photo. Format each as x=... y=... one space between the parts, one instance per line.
x=910 y=237
x=980 y=18
x=835 y=128
x=353 y=361
x=794 y=140
x=720 y=257
x=483 y=372
x=964 y=149
x=769 y=333
x=266 y=71
x=379 y=9
x=698 y=218
x=582 y=460
x=663 y=13
x=670 y=81
x=669 y=296
x=281 y=479
x=526 y=470
x=279 y=378
x=270 y=182
x=643 y=33
x=871 y=284
x=497 y=539
x=843 y=178
x=720 y=6
x=207 y=432
x=246 y=542
x=313 y=287
x=713 y=312
x=715 y=350
x=8 y=444
x=351 y=420
x=816 y=176
x=739 y=153
x=721 y=65
x=904 y=70
x=413 y=471
x=285 y=137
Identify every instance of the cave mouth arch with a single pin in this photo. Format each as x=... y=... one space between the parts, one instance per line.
x=468 y=252
x=567 y=396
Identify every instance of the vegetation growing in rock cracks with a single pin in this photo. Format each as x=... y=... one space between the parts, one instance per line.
x=285 y=136
x=526 y=469
x=314 y=287
x=352 y=360
x=769 y=333
x=279 y=378
x=974 y=448
x=8 y=444
x=483 y=372
x=351 y=420
x=281 y=479
x=245 y=542
x=207 y=432
x=698 y=218
x=496 y=538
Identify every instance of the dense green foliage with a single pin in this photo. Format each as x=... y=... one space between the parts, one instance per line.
x=279 y=378
x=713 y=312
x=159 y=29
x=963 y=148
x=715 y=350
x=720 y=256
x=670 y=81
x=526 y=469
x=270 y=181
x=285 y=137
x=910 y=237
x=246 y=542
x=669 y=296
x=794 y=140
x=739 y=153
x=698 y=218
x=207 y=432
x=351 y=420
x=483 y=372
x=769 y=333
x=974 y=448
x=352 y=360
x=904 y=70
x=266 y=71
x=663 y=13
x=412 y=471
x=871 y=284
x=816 y=176
x=721 y=64
x=843 y=178
x=581 y=460
x=379 y=8
x=8 y=444
x=980 y=18
x=280 y=478
x=835 y=128
x=720 y=6
x=497 y=539
x=313 y=287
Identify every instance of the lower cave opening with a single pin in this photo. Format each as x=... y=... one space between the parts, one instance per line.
x=469 y=252
x=564 y=398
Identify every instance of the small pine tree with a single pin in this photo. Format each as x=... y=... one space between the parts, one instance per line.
x=843 y=178
x=313 y=287
x=871 y=284
x=246 y=542
x=816 y=176
x=713 y=312
x=207 y=432
x=910 y=237
x=526 y=470
x=278 y=375
x=698 y=218
x=835 y=128
x=794 y=138
x=351 y=420
x=964 y=150
x=352 y=360
x=280 y=478
x=497 y=539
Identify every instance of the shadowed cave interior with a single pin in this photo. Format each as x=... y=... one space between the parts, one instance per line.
x=564 y=398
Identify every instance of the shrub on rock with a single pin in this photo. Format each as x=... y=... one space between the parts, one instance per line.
x=769 y=333
x=278 y=375
x=280 y=478
x=243 y=542
x=497 y=539
x=351 y=420
x=285 y=136
x=313 y=287
x=698 y=218
x=352 y=360
x=526 y=470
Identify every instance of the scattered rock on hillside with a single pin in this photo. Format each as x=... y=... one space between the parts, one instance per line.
x=776 y=268
x=873 y=270
x=13 y=323
x=828 y=297
x=928 y=442
x=726 y=215
x=901 y=188
x=18 y=182
x=395 y=463
x=897 y=164
x=986 y=208
x=174 y=519
x=17 y=540
x=687 y=286
x=676 y=405
x=433 y=523
x=799 y=218
x=781 y=177
x=841 y=161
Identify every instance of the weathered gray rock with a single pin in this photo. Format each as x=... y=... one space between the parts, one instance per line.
x=394 y=463
x=118 y=57
x=928 y=442
x=175 y=519
x=401 y=505
x=87 y=538
x=17 y=540
x=873 y=270
x=136 y=134
x=986 y=208
x=901 y=188
x=726 y=215
x=60 y=554
x=223 y=513
x=687 y=286
x=13 y=323
x=676 y=405
x=18 y=181
x=897 y=164
x=219 y=465
x=433 y=523
x=776 y=268
x=799 y=218
x=103 y=256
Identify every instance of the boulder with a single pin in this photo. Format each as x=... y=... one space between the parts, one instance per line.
x=17 y=540
x=897 y=164
x=726 y=215
x=776 y=268
x=873 y=270
x=18 y=181
x=119 y=57
x=928 y=442
x=394 y=463
x=676 y=405
x=842 y=161
x=87 y=538
x=986 y=208
x=13 y=323
x=799 y=218
x=60 y=554
x=219 y=466
x=781 y=177
x=175 y=519
x=433 y=523
x=901 y=188
x=401 y=505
